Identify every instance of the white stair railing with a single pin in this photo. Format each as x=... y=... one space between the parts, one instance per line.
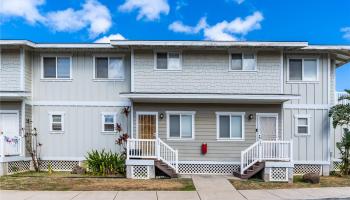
x=266 y=150
x=154 y=149
x=10 y=145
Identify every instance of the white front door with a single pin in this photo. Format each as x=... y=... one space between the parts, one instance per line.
x=9 y=123
x=267 y=126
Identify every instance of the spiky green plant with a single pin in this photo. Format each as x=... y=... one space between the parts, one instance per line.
x=105 y=163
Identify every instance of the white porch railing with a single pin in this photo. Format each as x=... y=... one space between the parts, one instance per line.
x=153 y=148
x=10 y=145
x=266 y=150
x=340 y=94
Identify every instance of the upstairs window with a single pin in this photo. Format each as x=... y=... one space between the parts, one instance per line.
x=57 y=67
x=109 y=68
x=302 y=69
x=180 y=125
x=168 y=61
x=243 y=62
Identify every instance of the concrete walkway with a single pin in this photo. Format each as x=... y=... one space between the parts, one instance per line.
x=208 y=188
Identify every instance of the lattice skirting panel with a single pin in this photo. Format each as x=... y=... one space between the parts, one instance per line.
x=225 y=169
x=301 y=169
x=18 y=166
x=140 y=172
x=279 y=174
x=336 y=166
x=58 y=165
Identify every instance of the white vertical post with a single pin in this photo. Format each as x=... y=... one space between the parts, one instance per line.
x=291 y=150
x=2 y=146
x=260 y=150
x=127 y=149
x=157 y=147
x=242 y=160
x=177 y=160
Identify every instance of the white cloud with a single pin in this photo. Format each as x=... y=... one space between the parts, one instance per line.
x=28 y=9
x=179 y=27
x=93 y=15
x=239 y=1
x=107 y=39
x=223 y=30
x=346 y=31
x=149 y=9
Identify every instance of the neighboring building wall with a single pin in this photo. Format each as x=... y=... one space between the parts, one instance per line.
x=82 y=131
x=83 y=100
x=208 y=72
x=205 y=129
x=10 y=70
x=315 y=100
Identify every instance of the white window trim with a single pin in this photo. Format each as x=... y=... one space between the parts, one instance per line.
x=296 y=125
x=302 y=69
x=167 y=52
x=230 y=61
x=137 y=121
x=107 y=56
x=218 y=114
x=56 y=56
x=103 y=122
x=168 y=113
x=62 y=121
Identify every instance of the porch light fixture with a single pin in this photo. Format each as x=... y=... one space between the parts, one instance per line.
x=251 y=116
x=161 y=115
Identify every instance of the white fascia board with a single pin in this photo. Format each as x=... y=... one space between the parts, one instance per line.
x=55 y=45
x=327 y=47
x=207 y=43
x=210 y=96
x=119 y=103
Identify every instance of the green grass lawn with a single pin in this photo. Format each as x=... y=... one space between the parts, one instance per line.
x=64 y=181
x=326 y=181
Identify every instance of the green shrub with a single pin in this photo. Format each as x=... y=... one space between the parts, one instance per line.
x=105 y=163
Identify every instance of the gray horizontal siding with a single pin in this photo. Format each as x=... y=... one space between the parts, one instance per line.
x=208 y=72
x=82 y=87
x=10 y=71
x=205 y=129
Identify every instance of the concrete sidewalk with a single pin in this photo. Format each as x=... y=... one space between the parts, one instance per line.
x=208 y=188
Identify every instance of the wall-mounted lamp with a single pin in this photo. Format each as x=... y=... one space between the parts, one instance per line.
x=250 y=116
x=161 y=115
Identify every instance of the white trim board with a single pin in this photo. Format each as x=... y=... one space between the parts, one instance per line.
x=22 y=70
x=209 y=162
x=306 y=106
x=82 y=103
x=64 y=158
x=316 y=162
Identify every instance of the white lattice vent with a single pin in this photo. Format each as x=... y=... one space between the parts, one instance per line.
x=336 y=166
x=58 y=165
x=226 y=169
x=18 y=166
x=279 y=174
x=301 y=169
x=140 y=172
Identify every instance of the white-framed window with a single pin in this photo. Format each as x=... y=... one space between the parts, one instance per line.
x=56 y=122
x=56 y=67
x=302 y=125
x=245 y=61
x=180 y=124
x=171 y=60
x=109 y=122
x=303 y=69
x=109 y=68
x=230 y=125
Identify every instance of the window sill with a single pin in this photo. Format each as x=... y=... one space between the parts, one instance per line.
x=56 y=79
x=230 y=140
x=180 y=139
x=302 y=135
x=56 y=132
x=108 y=80
x=249 y=71
x=108 y=132
x=168 y=70
x=291 y=82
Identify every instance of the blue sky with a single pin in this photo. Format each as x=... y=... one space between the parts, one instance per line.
x=315 y=21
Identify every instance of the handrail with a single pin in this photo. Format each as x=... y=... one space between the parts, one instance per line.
x=266 y=150
x=153 y=148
